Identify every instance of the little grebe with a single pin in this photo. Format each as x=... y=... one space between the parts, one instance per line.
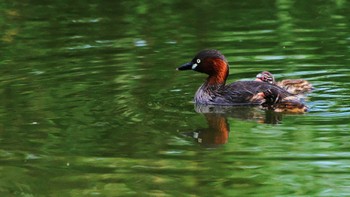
x=214 y=91
x=293 y=86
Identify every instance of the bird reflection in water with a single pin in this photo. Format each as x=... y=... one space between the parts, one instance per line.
x=217 y=132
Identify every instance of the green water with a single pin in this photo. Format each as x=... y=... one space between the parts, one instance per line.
x=91 y=103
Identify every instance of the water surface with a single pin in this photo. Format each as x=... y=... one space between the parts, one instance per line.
x=91 y=103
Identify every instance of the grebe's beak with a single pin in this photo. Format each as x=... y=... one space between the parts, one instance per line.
x=187 y=66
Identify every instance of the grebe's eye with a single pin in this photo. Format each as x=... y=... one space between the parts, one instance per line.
x=194 y=66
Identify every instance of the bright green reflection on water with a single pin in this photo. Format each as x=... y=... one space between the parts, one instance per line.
x=91 y=103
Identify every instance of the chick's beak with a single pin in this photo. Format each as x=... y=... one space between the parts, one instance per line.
x=259 y=77
x=187 y=66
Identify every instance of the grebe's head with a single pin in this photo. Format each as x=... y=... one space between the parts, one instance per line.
x=211 y=62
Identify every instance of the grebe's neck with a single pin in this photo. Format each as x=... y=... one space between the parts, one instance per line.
x=218 y=73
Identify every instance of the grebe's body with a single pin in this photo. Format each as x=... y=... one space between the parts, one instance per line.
x=214 y=91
